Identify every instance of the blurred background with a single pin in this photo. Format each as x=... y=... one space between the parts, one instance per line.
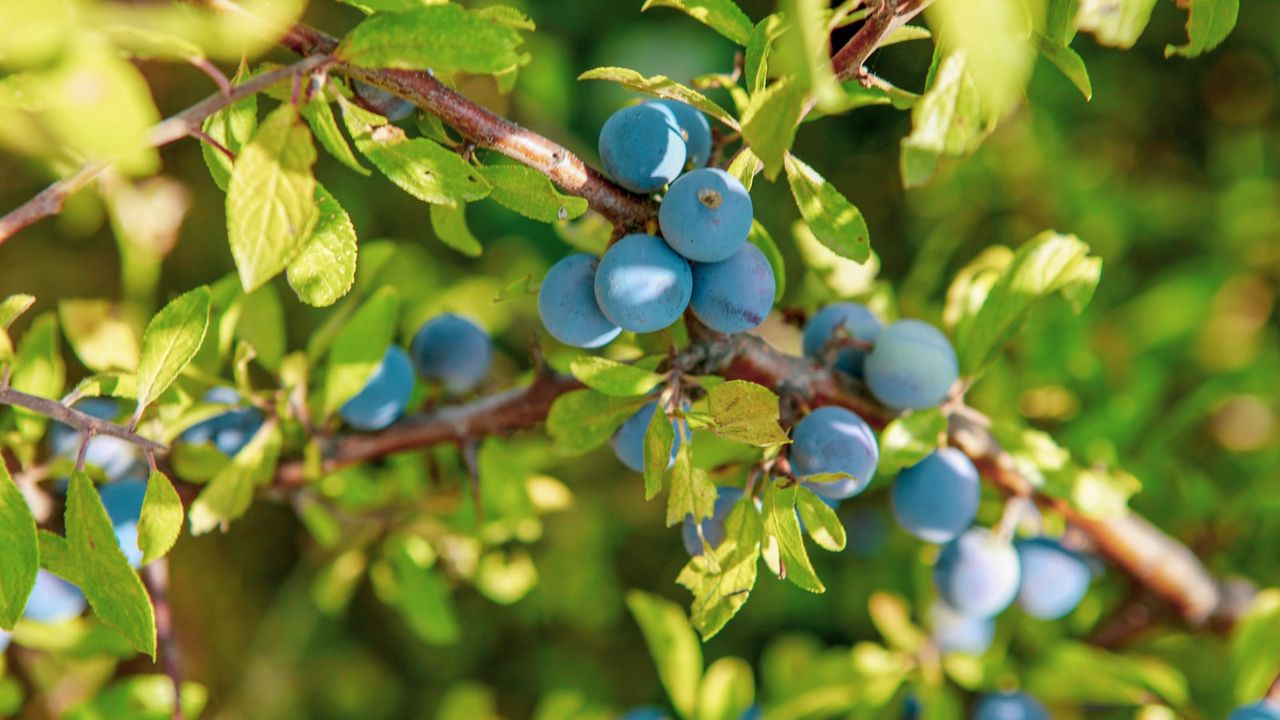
x=1171 y=174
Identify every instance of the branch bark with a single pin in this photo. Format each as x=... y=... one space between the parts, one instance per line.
x=49 y=202
x=1159 y=563
x=887 y=16
x=86 y=424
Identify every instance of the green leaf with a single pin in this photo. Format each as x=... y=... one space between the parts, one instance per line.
x=770 y=120
x=1074 y=672
x=1101 y=494
x=161 y=519
x=111 y=586
x=675 y=649
x=230 y=492
x=101 y=340
x=319 y=115
x=1047 y=264
x=783 y=541
x=614 y=378
x=422 y=595
x=1209 y=22
x=892 y=617
x=747 y=413
x=820 y=521
x=38 y=370
x=111 y=123
x=947 y=122
x=1069 y=62
x=271 y=198
x=531 y=194
x=744 y=166
x=21 y=557
x=761 y=238
x=692 y=492
x=835 y=222
x=142 y=697
x=727 y=691
x=56 y=556
x=723 y=16
x=1117 y=23
x=721 y=580
x=359 y=347
x=759 y=47
x=325 y=268
x=660 y=86
x=445 y=38
x=430 y=172
x=658 y=439
x=232 y=127
x=171 y=339
x=13 y=306
x=584 y=419
x=994 y=38
x=906 y=440
x=261 y=324
x=449 y=221
x=1255 y=654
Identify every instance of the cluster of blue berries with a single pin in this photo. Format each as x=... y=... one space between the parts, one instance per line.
x=449 y=349
x=702 y=262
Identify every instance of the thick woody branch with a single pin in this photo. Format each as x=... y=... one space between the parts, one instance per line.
x=86 y=424
x=885 y=17
x=486 y=129
x=49 y=202
x=1163 y=566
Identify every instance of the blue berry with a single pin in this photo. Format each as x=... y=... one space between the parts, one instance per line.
x=123 y=502
x=1054 y=579
x=229 y=431
x=835 y=440
x=53 y=600
x=645 y=712
x=911 y=366
x=858 y=322
x=977 y=573
x=452 y=350
x=4 y=640
x=695 y=129
x=706 y=215
x=733 y=295
x=937 y=498
x=1010 y=706
x=1261 y=710
x=628 y=440
x=567 y=304
x=385 y=395
x=390 y=106
x=116 y=457
x=642 y=147
x=642 y=285
x=712 y=527
x=956 y=632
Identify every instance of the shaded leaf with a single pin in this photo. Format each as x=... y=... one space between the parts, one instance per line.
x=770 y=120
x=721 y=580
x=1209 y=22
x=449 y=221
x=820 y=521
x=531 y=194
x=444 y=38
x=1069 y=62
x=230 y=492
x=584 y=419
x=319 y=115
x=359 y=347
x=658 y=440
x=675 y=649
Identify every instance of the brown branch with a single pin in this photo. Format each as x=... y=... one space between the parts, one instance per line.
x=887 y=16
x=49 y=202
x=86 y=424
x=1163 y=566
x=624 y=209
x=156 y=578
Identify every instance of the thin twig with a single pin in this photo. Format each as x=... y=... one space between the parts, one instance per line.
x=156 y=578
x=50 y=201
x=70 y=416
x=203 y=65
x=211 y=141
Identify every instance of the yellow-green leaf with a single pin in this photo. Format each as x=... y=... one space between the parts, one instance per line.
x=770 y=120
x=746 y=412
x=20 y=558
x=101 y=340
x=614 y=378
x=835 y=222
x=359 y=347
x=325 y=269
x=672 y=644
x=444 y=37
x=660 y=86
x=170 y=341
x=723 y=16
x=161 y=519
